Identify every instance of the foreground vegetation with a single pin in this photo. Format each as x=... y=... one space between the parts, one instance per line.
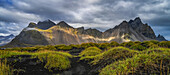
x=128 y=58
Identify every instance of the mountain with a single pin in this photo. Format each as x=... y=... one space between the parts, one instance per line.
x=6 y=39
x=45 y=24
x=160 y=38
x=49 y=33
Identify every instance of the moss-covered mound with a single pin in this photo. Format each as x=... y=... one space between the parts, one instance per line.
x=55 y=60
x=114 y=54
x=51 y=60
x=91 y=51
x=165 y=44
x=144 y=63
x=101 y=60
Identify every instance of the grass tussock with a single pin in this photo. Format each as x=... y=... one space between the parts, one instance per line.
x=5 y=69
x=55 y=60
x=6 y=54
x=144 y=63
x=91 y=51
x=128 y=58
x=114 y=54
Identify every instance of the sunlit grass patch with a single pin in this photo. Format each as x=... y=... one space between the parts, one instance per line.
x=91 y=51
x=54 y=60
x=5 y=69
x=153 y=63
x=6 y=54
x=114 y=54
x=156 y=50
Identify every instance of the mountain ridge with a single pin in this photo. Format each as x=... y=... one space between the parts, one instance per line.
x=6 y=39
x=63 y=33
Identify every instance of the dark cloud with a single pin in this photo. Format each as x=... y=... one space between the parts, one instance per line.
x=5 y=2
x=4 y=31
x=101 y=14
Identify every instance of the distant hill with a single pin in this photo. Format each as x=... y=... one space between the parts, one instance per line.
x=6 y=39
x=49 y=33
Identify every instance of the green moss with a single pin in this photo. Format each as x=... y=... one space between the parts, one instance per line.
x=137 y=47
x=157 y=50
x=104 y=45
x=165 y=44
x=5 y=69
x=114 y=44
x=91 y=51
x=63 y=47
x=127 y=44
x=75 y=46
x=6 y=54
x=152 y=63
x=49 y=47
x=90 y=44
x=149 y=44
x=112 y=55
x=55 y=60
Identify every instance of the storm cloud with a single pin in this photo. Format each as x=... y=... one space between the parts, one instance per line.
x=100 y=14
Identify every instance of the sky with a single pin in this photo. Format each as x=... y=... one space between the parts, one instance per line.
x=101 y=14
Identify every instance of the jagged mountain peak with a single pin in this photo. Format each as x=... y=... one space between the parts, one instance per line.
x=45 y=24
x=131 y=21
x=92 y=29
x=93 y=32
x=32 y=25
x=124 y=22
x=161 y=38
x=64 y=24
x=80 y=27
x=134 y=30
x=136 y=21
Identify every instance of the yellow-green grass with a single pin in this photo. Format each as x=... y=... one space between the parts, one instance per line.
x=113 y=54
x=137 y=47
x=91 y=51
x=157 y=50
x=153 y=62
x=6 y=54
x=5 y=69
x=54 y=60
x=165 y=44
x=63 y=47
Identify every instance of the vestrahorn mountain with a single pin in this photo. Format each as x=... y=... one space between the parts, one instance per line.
x=49 y=33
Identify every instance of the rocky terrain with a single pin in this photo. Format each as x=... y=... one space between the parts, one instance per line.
x=49 y=33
